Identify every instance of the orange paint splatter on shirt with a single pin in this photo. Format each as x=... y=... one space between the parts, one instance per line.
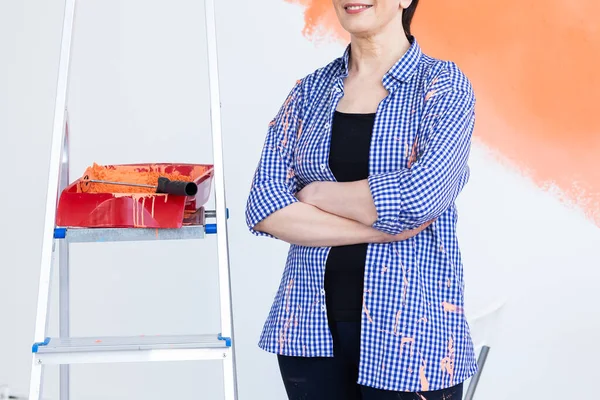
x=283 y=333
x=413 y=155
x=404 y=283
x=447 y=363
x=449 y=307
x=410 y=341
x=430 y=94
x=422 y=377
x=537 y=84
x=397 y=322
x=365 y=306
x=300 y=124
x=288 y=293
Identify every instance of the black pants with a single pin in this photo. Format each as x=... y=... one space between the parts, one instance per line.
x=335 y=378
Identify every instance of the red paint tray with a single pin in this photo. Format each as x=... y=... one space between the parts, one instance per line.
x=134 y=210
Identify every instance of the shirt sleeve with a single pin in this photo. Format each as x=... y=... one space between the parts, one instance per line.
x=408 y=198
x=274 y=183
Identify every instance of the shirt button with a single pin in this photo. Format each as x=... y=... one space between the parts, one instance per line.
x=323 y=308
x=327 y=125
x=323 y=166
x=323 y=292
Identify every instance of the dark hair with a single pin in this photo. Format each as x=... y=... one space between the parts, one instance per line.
x=407 y=16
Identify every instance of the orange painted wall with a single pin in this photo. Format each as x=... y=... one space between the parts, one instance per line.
x=535 y=66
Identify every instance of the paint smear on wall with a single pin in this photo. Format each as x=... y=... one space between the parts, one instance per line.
x=535 y=66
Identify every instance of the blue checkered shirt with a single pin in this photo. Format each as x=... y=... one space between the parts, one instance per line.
x=415 y=335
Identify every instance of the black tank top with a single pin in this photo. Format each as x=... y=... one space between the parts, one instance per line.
x=345 y=267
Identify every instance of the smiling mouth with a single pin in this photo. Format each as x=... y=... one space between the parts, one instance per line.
x=357 y=7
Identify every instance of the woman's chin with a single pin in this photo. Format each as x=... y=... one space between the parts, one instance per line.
x=358 y=30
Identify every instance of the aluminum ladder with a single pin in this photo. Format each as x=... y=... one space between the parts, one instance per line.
x=65 y=350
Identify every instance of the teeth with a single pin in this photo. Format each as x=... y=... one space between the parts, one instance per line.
x=356 y=7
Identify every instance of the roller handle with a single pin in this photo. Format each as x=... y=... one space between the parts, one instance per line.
x=179 y=188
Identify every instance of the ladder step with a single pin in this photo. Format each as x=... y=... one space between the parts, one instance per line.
x=85 y=235
x=132 y=349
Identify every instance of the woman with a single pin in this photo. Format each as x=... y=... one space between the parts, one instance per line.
x=359 y=173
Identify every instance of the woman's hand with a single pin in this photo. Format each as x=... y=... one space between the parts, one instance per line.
x=409 y=233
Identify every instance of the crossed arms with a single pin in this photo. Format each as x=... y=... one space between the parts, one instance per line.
x=384 y=208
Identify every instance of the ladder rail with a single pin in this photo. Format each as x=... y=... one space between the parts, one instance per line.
x=47 y=254
x=64 y=314
x=225 y=301
x=219 y=179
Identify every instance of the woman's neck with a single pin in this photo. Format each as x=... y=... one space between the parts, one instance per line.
x=376 y=54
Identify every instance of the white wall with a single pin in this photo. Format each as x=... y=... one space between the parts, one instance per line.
x=139 y=93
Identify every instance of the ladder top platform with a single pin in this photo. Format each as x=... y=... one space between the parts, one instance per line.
x=87 y=235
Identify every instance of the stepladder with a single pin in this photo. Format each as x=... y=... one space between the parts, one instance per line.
x=65 y=350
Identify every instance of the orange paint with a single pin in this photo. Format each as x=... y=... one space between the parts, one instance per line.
x=534 y=67
x=143 y=211
x=449 y=307
x=422 y=378
x=404 y=283
x=138 y=211
x=365 y=306
x=290 y=320
x=429 y=95
x=124 y=175
x=413 y=155
x=397 y=322
x=320 y=20
x=447 y=363
x=283 y=334
x=288 y=293
x=410 y=341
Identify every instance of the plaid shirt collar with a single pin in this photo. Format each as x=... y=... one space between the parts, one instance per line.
x=400 y=72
